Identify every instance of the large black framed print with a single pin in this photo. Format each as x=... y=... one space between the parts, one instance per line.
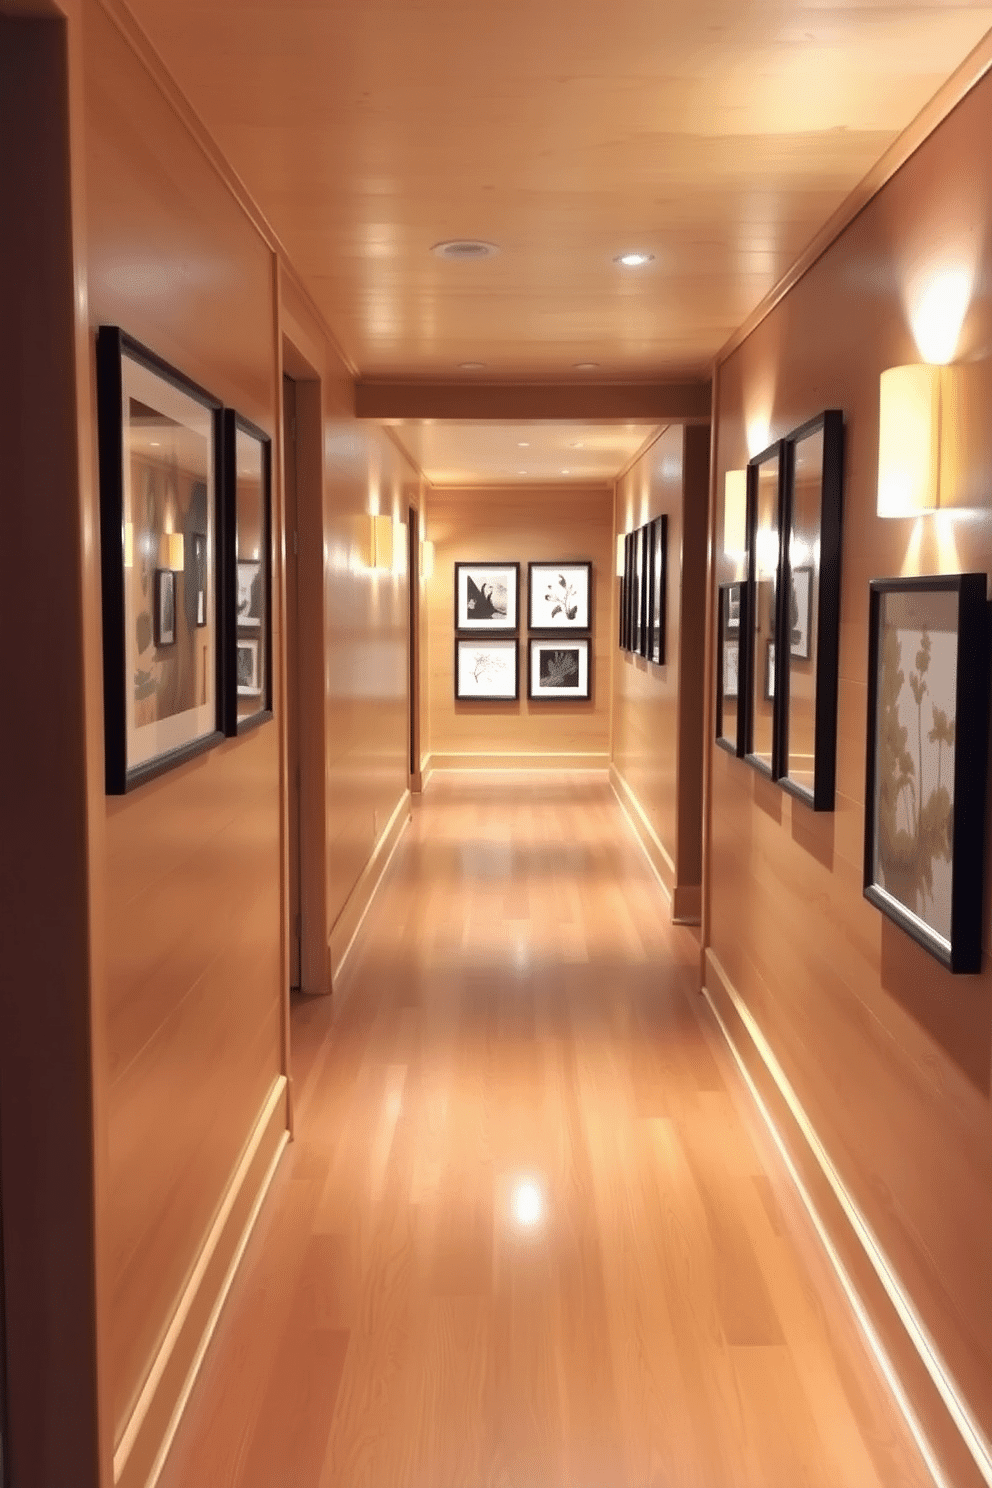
x=160 y=478
x=764 y=537
x=927 y=758
x=811 y=561
x=248 y=574
x=657 y=538
x=730 y=690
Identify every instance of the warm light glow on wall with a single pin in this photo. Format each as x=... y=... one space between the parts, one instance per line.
x=908 y=440
x=621 y=553
x=938 y=305
x=735 y=512
x=426 y=559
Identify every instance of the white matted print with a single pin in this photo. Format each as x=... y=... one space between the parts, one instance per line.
x=486 y=670
x=559 y=669
x=249 y=669
x=487 y=596
x=559 y=595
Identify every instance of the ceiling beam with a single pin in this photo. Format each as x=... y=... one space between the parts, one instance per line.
x=600 y=402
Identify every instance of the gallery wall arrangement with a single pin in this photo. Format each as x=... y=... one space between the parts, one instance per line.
x=643 y=590
x=776 y=704
x=559 y=617
x=184 y=485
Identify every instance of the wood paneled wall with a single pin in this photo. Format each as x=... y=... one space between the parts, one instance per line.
x=658 y=710
x=889 y=1055
x=525 y=523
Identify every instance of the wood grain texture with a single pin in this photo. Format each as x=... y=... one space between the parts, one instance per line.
x=657 y=710
x=519 y=1011
x=519 y=524
x=890 y=1056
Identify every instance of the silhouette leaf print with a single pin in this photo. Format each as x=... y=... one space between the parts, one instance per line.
x=559 y=669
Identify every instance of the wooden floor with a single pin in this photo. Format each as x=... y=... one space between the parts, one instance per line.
x=530 y=1234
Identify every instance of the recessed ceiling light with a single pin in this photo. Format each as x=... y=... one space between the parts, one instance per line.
x=566 y=472
x=523 y=444
x=465 y=249
x=577 y=445
x=471 y=366
x=585 y=366
x=521 y=472
x=633 y=260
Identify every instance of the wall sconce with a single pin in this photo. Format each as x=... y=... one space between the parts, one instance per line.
x=621 y=553
x=426 y=559
x=382 y=543
x=171 y=551
x=735 y=512
x=909 y=414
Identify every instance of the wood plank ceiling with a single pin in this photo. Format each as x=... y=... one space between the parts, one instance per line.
x=717 y=137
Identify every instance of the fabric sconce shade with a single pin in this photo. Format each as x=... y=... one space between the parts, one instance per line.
x=909 y=440
x=382 y=543
x=735 y=512
x=171 y=551
x=621 y=553
x=426 y=559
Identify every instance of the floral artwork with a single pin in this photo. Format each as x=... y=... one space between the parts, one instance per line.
x=486 y=670
x=558 y=596
x=916 y=736
x=486 y=596
x=558 y=671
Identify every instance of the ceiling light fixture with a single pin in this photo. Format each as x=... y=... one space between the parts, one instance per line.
x=465 y=249
x=566 y=472
x=471 y=366
x=578 y=445
x=585 y=366
x=633 y=260
x=523 y=444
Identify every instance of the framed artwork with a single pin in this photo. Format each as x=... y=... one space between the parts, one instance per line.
x=622 y=592
x=487 y=670
x=559 y=596
x=248 y=566
x=559 y=670
x=629 y=578
x=770 y=671
x=165 y=607
x=807 y=705
x=657 y=540
x=159 y=453
x=487 y=596
x=928 y=702
x=729 y=713
x=637 y=598
x=764 y=528
x=249 y=671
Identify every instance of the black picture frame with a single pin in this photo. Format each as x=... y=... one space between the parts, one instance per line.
x=164 y=618
x=566 y=658
x=908 y=835
x=486 y=592
x=822 y=620
x=764 y=605
x=731 y=662
x=247 y=573
x=503 y=645
x=622 y=592
x=657 y=543
x=629 y=587
x=570 y=584
x=140 y=395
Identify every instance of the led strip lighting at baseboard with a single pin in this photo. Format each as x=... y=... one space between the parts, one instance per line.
x=971 y=1433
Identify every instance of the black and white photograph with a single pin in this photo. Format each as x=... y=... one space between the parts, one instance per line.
x=928 y=721
x=249 y=674
x=487 y=596
x=199 y=577
x=559 y=670
x=165 y=607
x=559 y=595
x=249 y=593
x=769 y=671
x=487 y=670
x=658 y=592
x=731 y=662
x=801 y=612
x=732 y=618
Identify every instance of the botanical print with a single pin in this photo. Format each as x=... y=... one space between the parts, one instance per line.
x=558 y=669
x=559 y=596
x=914 y=782
x=485 y=596
x=487 y=669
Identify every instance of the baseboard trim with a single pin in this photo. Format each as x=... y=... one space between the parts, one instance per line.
x=144 y=1445
x=951 y=1441
x=470 y=760
x=345 y=930
x=651 y=844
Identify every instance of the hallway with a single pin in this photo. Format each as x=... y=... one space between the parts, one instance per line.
x=530 y=1233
